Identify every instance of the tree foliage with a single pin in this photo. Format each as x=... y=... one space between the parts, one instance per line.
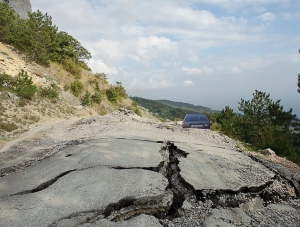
x=8 y=19
x=230 y=122
x=24 y=86
x=264 y=124
x=39 y=38
x=299 y=83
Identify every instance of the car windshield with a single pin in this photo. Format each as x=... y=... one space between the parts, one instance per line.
x=196 y=117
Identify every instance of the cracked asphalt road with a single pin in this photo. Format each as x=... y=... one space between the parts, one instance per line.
x=139 y=174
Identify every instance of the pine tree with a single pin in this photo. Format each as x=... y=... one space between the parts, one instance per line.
x=41 y=37
x=7 y=22
x=299 y=83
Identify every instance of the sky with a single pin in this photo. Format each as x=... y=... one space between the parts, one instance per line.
x=203 y=52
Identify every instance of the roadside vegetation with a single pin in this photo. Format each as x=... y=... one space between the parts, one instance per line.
x=43 y=43
x=63 y=57
x=263 y=124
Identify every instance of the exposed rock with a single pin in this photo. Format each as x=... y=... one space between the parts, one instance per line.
x=12 y=96
x=268 y=152
x=21 y=7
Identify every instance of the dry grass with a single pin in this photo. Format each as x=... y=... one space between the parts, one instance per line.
x=18 y=116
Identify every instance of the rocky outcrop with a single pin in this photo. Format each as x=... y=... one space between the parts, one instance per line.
x=22 y=7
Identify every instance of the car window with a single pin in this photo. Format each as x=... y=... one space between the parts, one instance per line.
x=191 y=117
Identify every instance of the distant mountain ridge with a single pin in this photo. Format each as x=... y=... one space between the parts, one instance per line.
x=167 y=109
x=187 y=106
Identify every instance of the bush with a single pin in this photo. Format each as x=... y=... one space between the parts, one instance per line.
x=70 y=66
x=66 y=87
x=121 y=90
x=6 y=82
x=48 y=92
x=96 y=97
x=112 y=94
x=76 y=87
x=86 y=101
x=134 y=107
x=101 y=76
x=24 y=86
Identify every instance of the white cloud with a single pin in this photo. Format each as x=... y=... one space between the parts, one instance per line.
x=149 y=84
x=267 y=16
x=233 y=5
x=153 y=47
x=133 y=40
x=290 y=16
x=197 y=71
x=192 y=70
x=99 y=66
x=188 y=83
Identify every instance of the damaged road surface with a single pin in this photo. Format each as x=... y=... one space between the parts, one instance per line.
x=148 y=179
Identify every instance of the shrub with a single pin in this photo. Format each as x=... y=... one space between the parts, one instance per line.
x=76 y=87
x=134 y=107
x=84 y=66
x=86 y=101
x=101 y=76
x=70 y=66
x=112 y=94
x=24 y=86
x=121 y=90
x=96 y=97
x=66 y=87
x=6 y=82
x=48 y=92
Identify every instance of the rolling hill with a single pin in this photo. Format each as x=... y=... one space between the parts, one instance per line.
x=166 y=109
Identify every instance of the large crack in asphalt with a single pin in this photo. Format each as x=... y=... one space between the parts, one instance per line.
x=168 y=207
x=292 y=178
x=281 y=188
x=44 y=185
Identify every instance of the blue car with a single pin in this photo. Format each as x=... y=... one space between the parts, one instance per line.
x=196 y=120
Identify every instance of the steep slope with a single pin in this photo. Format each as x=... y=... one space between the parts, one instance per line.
x=18 y=115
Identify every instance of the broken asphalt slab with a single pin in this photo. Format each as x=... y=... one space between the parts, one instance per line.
x=132 y=179
x=219 y=169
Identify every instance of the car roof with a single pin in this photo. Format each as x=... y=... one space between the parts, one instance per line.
x=196 y=114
